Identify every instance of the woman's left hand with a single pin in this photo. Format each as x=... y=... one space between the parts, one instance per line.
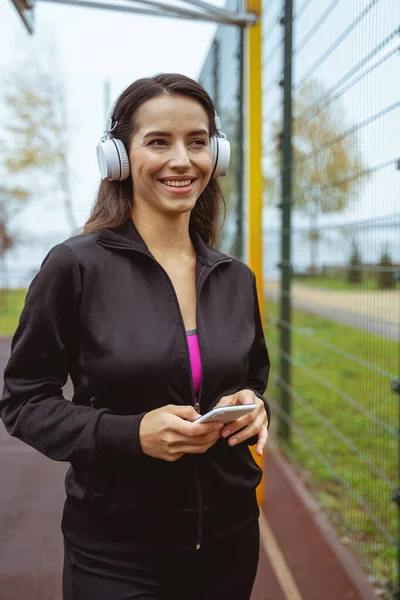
x=255 y=423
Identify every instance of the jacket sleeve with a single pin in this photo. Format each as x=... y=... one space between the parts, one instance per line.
x=259 y=364
x=33 y=408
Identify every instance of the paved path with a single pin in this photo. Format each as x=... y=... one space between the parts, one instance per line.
x=296 y=563
x=374 y=311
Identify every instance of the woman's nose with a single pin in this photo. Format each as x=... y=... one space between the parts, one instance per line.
x=180 y=157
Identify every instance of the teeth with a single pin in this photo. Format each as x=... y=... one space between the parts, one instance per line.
x=177 y=183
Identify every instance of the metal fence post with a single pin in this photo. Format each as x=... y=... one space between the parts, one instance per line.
x=216 y=74
x=286 y=191
x=240 y=246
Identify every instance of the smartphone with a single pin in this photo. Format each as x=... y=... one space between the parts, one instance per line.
x=226 y=414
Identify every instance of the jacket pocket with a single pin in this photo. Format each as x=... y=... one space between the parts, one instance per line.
x=141 y=486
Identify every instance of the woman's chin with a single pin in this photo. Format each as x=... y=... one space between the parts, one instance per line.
x=179 y=205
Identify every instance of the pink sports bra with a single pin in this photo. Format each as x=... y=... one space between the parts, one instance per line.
x=195 y=359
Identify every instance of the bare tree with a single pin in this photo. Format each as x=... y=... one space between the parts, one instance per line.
x=38 y=131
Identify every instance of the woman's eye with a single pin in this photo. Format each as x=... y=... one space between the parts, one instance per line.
x=200 y=142
x=157 y=143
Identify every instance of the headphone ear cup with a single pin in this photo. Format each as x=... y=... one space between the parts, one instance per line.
x=221 y=155
x=124 y=159
x=113 y=160
x=214 y=152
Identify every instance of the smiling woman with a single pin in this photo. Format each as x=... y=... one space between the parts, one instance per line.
x=154 y=325
x=141 y=127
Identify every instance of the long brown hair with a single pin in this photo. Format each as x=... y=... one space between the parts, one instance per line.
x=114 y=202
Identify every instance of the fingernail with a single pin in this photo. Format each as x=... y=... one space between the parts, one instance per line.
x=233 y=441
x=226 y=433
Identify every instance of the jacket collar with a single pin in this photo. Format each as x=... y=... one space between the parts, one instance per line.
x=126 y=236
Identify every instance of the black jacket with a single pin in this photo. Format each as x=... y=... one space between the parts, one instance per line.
x=104 y=311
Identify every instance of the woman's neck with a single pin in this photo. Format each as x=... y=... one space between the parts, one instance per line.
x=165 y=237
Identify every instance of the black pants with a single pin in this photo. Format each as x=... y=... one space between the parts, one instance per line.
x=224 y=570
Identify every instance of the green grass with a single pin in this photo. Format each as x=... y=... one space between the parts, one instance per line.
x=11 y=303
x=372 y=390
x=338 y=283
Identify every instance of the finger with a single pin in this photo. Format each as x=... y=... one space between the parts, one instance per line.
x=234 y=426
x=209 y=437
x=244 y=421
x=262 y=441
x=248 y=432
x=193 y=430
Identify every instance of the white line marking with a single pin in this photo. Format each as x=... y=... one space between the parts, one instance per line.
x=278 y=563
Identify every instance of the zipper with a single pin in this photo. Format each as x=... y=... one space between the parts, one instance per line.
x=200 y=505
x=196 y=405
x=92 y=402
x=200 y=508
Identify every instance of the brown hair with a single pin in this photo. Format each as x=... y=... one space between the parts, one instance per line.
x=113 y=205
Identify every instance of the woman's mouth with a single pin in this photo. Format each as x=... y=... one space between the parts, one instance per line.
x=178 y=185
x=183 y=183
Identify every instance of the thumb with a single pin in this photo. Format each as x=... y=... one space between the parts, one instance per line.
x=245 y=397
x=227 y=401
x=186 y=412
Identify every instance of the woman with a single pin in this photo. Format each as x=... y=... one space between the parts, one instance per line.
x=153 y=325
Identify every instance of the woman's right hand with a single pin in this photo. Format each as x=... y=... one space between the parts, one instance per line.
x=169 y=432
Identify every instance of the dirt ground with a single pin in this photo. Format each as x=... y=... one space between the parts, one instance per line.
x=383 y=305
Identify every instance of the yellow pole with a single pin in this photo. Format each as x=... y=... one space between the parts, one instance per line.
x=253 y=151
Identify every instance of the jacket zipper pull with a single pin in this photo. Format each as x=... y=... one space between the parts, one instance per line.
x=198 y=546
x=92 y=401
x=197 y=407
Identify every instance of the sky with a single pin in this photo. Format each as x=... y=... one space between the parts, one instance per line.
x=94 y=46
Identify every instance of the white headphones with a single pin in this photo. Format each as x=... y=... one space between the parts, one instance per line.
x=113 y=159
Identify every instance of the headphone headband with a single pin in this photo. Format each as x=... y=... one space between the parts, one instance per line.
x=108 y=123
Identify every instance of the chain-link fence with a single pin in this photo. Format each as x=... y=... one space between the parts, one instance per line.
x=331 y=162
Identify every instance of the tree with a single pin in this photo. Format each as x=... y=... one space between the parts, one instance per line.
x=385 y=274
x=327 y=166
x=11 y=201
x=13 y=196
x=354 y=272
x=37 y=130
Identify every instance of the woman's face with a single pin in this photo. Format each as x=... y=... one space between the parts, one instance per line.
x=170 y=155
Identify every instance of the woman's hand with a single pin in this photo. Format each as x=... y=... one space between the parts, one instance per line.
x=169 y=433
x=255 y=423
